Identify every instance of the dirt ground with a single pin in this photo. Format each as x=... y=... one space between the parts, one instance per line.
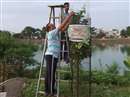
x=13 y=87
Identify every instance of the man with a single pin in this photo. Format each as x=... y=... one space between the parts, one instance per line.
x=65 y=55
x=66 y=9
x=52 y=53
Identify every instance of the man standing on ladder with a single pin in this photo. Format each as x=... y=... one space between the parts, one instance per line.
x=53 y=52
x=64 y=55
x=66 y=9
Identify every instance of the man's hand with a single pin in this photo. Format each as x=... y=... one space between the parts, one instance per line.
x=72 y=13
x=66 y=22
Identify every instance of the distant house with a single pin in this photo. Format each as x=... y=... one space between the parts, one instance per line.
x=113 y=34
x=37 y=35
x=101 y=33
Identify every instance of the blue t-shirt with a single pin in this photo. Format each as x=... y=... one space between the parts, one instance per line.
x=65 y=14
x=53 y=44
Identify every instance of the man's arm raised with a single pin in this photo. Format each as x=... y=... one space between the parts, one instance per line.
x=66 y=21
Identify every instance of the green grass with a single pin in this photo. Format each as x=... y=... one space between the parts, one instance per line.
x=100 y=90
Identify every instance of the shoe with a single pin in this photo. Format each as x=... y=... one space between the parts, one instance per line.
x=53 y=95
x=46 y=94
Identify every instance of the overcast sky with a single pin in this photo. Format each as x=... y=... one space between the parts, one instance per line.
x=16 y=14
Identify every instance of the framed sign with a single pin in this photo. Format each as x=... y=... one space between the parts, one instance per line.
x=78 y=33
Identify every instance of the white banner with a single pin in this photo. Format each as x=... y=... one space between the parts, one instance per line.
x=78 y=33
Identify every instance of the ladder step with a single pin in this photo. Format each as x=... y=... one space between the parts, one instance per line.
x=63 y=71
x=42 y=79
x=56 y=6
x=41 y=92
x=55 y=17
x=60 y=40
x=56 y=79
x=62 y=80
x=64 y=51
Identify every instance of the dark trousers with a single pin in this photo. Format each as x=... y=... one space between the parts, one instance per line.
x=51 y=64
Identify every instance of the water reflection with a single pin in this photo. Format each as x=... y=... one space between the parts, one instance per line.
x=126 y=49
x=109 y=54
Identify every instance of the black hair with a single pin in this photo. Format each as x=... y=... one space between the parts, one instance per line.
x=47 y=27
x=66 y=3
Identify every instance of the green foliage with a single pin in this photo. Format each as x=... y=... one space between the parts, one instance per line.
x=110 y=91
x=127 y=62
x=98 y=90
x=78 y=16
x=5 y=43
x=30 y=89
x=31 y=33
x=100 y=77
x=80 y=49
x=15 y=55
x=128 y=30
x=123 y=33
x=28 y=31
x=126 y=49
x=113 y=69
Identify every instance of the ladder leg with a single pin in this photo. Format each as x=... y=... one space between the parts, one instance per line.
x=70 y=65
x=58 y=78
x=41 y=67
x=63 y=49
x=50 y=16
x=67 y=44
x=53 y=16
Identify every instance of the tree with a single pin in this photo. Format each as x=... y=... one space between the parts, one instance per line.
x=37 y=33
x=5 y=43
x=93 y=32
x=15 y=56
x=17 y=35
x=101 y=34
x=28 y=32
x=43 y=33
x=78 y=16
x=123 y=33
x=128 y=30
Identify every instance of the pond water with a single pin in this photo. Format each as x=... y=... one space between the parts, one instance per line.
x=102 y=55
x=110 y=54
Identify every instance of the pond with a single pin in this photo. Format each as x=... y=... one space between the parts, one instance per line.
x=103 y=56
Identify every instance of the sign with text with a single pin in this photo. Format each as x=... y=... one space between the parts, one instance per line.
x=78 y=33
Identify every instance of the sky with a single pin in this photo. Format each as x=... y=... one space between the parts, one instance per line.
x=107 y=14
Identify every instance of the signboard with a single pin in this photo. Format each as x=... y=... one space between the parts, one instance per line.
x=78 y=33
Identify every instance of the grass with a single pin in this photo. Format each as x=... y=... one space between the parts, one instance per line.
x=98 y=90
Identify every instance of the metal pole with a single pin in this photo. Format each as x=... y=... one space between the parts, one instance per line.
x=90 y=54
x=41 y=67
x=53 y=15
x=78 y=78
x=50 y=15
x=59 y=61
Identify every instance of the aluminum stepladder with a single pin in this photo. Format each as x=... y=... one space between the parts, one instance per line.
x=52 y=17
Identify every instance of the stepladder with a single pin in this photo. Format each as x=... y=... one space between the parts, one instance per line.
x=63 y=56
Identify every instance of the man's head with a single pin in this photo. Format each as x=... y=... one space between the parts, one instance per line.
x=50 y=27
x=66 y=7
